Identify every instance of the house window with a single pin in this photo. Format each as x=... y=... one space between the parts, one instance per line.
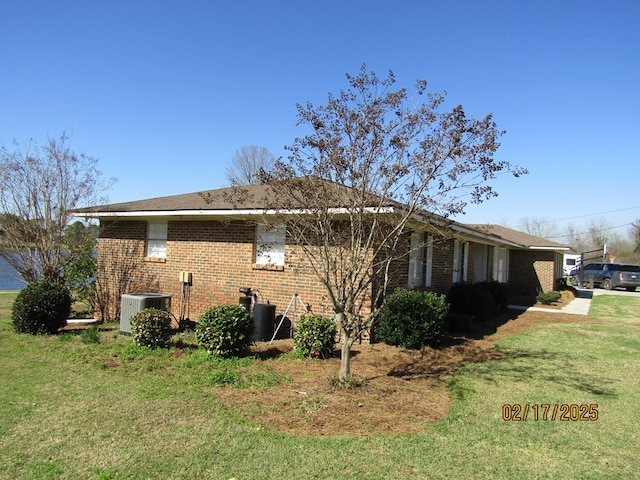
x=460 y=261
x=500 y=264
x=416 y=258
x=157 y=240
x=270 y=244
x=479 y=256
x=420 y=261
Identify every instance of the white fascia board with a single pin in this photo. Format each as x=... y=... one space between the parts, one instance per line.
x=223 y=213
x=173 y=213
x=487 y=236
x=470 y=233
x=464 y=231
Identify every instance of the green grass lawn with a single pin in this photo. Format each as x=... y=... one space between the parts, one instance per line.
x=73 y=409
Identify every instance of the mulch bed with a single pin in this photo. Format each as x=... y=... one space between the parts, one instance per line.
x=403 y=391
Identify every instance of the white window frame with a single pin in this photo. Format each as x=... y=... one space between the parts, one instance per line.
x=460 y=261
x=428 y=262
x=270 y=244
x=456 y=276
x=157 y=239
x=465 y=261
x=420 y=260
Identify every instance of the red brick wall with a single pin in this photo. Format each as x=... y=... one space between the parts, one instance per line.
x=531 y=271
x=220 y=257
x=121 y=268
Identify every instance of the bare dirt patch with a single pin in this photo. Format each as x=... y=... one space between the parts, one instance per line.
x=403 y=389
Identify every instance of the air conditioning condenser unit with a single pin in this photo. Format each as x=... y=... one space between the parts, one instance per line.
x=133 y=303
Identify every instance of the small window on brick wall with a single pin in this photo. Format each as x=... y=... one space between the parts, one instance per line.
x=157 y=240
x=270 y=240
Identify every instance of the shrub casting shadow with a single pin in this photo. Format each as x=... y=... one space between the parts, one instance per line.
x=435 y=362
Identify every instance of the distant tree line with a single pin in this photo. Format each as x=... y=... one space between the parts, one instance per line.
x=591 y=236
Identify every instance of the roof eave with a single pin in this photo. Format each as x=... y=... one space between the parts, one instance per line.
x=249 y=212
x=550 y=247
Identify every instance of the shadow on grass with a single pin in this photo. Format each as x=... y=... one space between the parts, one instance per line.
x=444 y=361
x=544 y=366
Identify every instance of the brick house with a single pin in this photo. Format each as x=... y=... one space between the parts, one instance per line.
x=223 y=244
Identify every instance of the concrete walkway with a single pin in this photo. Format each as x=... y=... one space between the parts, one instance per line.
x=578 y=306
x=81 y=321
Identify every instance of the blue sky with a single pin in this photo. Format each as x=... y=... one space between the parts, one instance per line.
x=164 y=92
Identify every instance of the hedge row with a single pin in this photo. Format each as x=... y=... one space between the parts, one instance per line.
x=408 y=318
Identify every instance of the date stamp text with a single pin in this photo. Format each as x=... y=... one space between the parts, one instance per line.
x=516 y=412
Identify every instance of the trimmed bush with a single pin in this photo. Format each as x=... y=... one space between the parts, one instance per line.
x=41 y=308
x=549 y=297
x=499 y=292
x=412 y=318
x=225 y=330
x=314 y=336
x=151 y=328
x=472 y=299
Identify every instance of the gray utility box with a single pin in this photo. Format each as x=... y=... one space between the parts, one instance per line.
x=133 y=303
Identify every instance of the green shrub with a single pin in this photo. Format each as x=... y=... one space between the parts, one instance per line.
x=472 y=299
x=314 y=336
x=41 y=307
x=225 y=330
x=412 y=318
x=499 y=292
x=549 y=297
x=151 y=328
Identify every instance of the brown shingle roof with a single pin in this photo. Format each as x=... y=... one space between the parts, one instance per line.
x=515 y=236
x=249 y=197
x=257 y=197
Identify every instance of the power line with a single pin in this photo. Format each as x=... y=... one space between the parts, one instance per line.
x=572 y=234
x=586 y=215
x=601 y=213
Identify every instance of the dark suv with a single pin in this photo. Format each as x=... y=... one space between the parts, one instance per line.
x=612 y=275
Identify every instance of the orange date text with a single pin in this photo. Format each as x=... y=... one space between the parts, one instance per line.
x=517 y=412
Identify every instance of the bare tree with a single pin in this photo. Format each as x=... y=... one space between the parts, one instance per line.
x=248 y=164
x=120 y=270
x=540 y=227
x=374 y=161
x=39 y=188
x=635 y=233
x=593 y=236
x=79 y=269
x=576 y=238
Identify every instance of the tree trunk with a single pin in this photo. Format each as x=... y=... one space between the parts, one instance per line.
x=345 y=356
